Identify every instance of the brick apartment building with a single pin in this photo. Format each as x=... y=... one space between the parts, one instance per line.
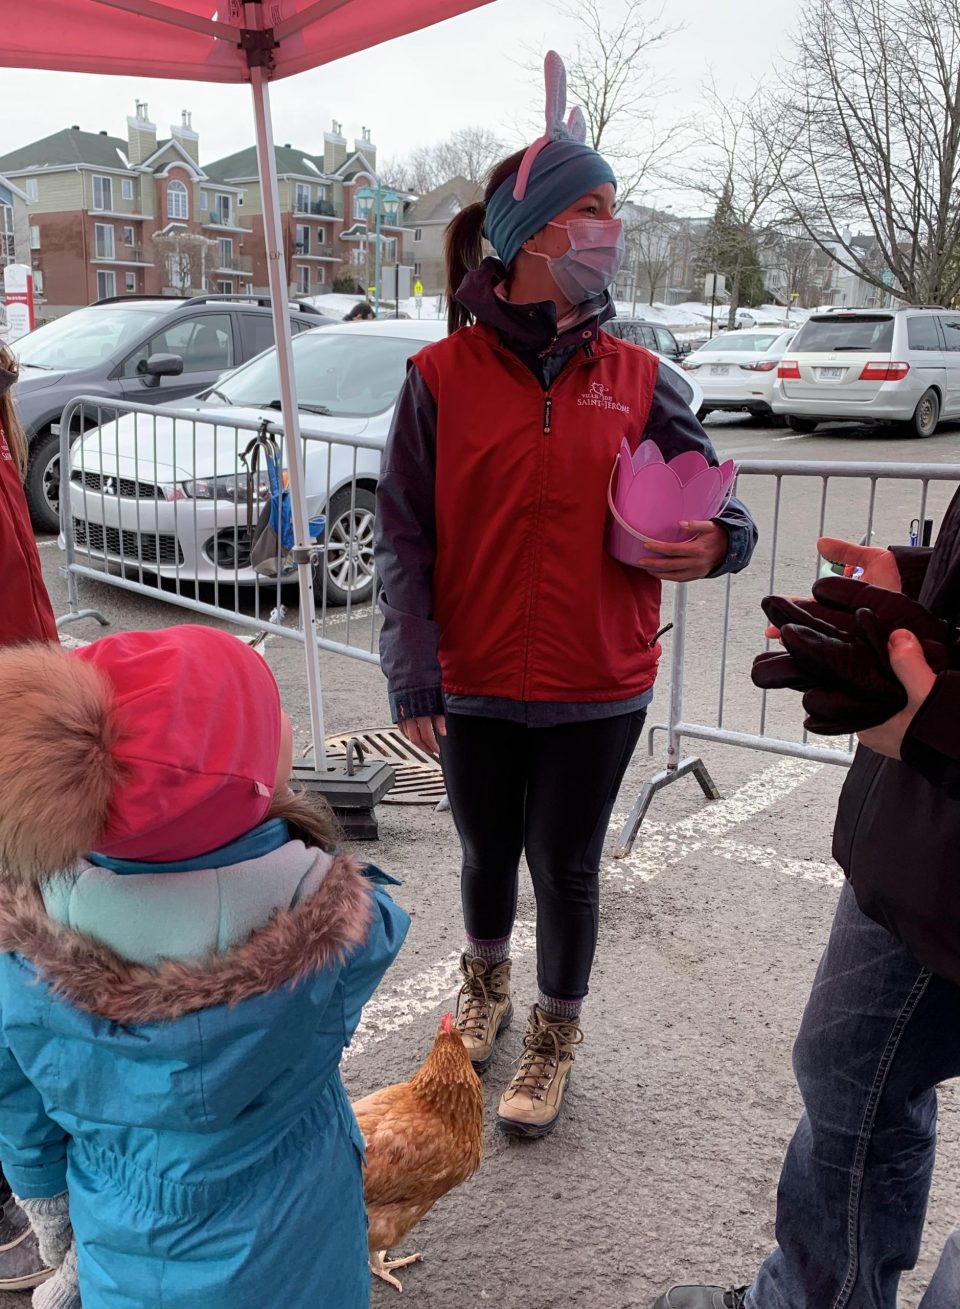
x=96 y=202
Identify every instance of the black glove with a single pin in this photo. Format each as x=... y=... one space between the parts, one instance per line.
x=836 y=652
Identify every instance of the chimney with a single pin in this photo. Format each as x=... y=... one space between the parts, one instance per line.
x=365 y=145
x=141 y=135
x=334 y=148
x=186 y=137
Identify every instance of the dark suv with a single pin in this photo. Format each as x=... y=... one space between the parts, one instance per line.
x=655 y=337
x=142 y=349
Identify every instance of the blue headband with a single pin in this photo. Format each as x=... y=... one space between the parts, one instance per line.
x=562 y=172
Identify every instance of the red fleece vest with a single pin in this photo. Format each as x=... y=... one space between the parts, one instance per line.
x=25 y=612
x=529 y=603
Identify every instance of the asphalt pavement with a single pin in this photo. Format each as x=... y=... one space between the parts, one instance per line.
x=665 y=1165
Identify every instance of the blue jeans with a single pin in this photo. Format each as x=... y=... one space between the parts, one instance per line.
x=878 y=1034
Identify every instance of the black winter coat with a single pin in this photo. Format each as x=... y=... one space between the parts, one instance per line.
x=897 y=835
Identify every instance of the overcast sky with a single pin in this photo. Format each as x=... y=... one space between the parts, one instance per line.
x=411 y=91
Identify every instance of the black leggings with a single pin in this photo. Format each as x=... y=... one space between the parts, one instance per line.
x=547 y=792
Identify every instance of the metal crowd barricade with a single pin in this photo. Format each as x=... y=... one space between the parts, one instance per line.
x=154 y=502
x=873 y=507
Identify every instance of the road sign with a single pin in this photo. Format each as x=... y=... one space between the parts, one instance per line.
x=418 y=288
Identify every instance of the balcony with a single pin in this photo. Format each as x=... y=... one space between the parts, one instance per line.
x=120 y=254
x=234 y=264
x=315 y=251
x=221 y=220
x=317 y=209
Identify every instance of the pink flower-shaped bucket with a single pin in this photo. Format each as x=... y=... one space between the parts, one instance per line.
x=649 y=498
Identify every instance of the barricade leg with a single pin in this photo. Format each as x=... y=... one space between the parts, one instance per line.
x=685 y=768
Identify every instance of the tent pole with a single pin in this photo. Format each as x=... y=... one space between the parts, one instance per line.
x=279 y=295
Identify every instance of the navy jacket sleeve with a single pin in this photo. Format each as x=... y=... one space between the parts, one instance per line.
x=405 y=550
x=674 y=427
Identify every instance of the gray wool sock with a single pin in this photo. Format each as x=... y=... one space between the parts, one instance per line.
x=567 y=1009
x=62 y=1291
x=492 y=952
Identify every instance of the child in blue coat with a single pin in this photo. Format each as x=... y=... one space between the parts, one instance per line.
x=184 y=957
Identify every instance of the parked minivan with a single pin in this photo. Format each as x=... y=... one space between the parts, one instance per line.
x=872 y=366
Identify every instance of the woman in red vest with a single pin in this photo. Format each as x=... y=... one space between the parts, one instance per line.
x=25 y=612
x=514 y=645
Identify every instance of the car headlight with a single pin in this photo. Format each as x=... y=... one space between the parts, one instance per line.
x=231 y=486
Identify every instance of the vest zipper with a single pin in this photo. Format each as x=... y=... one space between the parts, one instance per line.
x=547 y=412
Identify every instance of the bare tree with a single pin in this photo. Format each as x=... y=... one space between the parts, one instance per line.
x=185 y=258
x=650 y=250
x=612 y=76
x=470 y=152
x=867 y=129
x=740 y=174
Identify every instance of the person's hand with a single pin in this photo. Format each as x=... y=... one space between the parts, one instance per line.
x=917 y=678
x=686 y=561
x=424 y=732
x=879 y=567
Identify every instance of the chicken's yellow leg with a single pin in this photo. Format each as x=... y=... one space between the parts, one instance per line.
x=382 y=1267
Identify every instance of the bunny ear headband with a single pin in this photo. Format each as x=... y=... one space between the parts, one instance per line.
x=555 y=171
x=574 y=129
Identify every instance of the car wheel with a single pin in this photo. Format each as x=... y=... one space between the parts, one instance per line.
x=925 y=418
x=702 y=413
x=345 y=570
x=805 y=425
x=42 y=483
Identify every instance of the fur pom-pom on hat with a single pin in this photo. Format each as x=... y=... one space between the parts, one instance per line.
x=58 y=772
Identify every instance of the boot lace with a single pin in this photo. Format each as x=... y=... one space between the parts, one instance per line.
x=475 y=1000
x=543 y=1047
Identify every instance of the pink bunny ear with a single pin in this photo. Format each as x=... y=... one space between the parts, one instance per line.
x=575 y=128
x=555 y=78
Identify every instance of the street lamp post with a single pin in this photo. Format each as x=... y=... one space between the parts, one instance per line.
x=380 y=200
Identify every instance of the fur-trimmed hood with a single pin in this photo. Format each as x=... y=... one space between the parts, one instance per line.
x=90 y=976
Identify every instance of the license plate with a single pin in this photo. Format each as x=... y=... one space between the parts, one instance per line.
x=719 y=370
x=830 y=374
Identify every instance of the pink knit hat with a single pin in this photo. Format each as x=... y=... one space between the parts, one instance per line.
x=197 y=735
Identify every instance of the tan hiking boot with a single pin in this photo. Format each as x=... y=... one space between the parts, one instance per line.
x=531 y=1104
x=484 y=1007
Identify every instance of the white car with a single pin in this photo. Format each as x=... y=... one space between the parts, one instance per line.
x=737 y=370
x=167 y=496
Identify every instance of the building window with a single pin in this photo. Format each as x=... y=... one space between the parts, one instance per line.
x=129 y=236
x=225 y=288
x=303 y=239
x=225 y=244
x=32 y=189
x=358 y=257
x=303 y=281
x=103 y=233
x=7 y=255
x=34 y=237
x=240 y=200
x=204 y=200
x=358 y=206
x=126 y=188
x=321 y=236
x=222 y=206
x=417 y=269
x=177 y=206
x=38 y=281
x=303 y=198
x=130 y=282
x=106 y=285
x=102 y=192
x=418 y=233
x=321 y=275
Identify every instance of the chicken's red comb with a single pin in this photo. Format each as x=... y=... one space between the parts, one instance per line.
x=446 y=1024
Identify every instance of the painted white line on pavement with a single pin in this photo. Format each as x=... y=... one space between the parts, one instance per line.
x=768 y=858
x=659 y=845
x=391 y=1010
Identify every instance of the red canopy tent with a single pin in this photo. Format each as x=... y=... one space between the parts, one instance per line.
x=255 y=41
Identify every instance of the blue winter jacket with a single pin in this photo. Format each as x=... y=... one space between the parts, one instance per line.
x=195 y=1112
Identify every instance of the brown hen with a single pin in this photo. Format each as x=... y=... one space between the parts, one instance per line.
x=423 y=1138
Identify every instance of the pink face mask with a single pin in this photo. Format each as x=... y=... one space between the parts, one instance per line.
x=593 y=260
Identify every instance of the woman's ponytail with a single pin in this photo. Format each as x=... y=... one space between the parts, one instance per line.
x=462 y=252
x=463 y=240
